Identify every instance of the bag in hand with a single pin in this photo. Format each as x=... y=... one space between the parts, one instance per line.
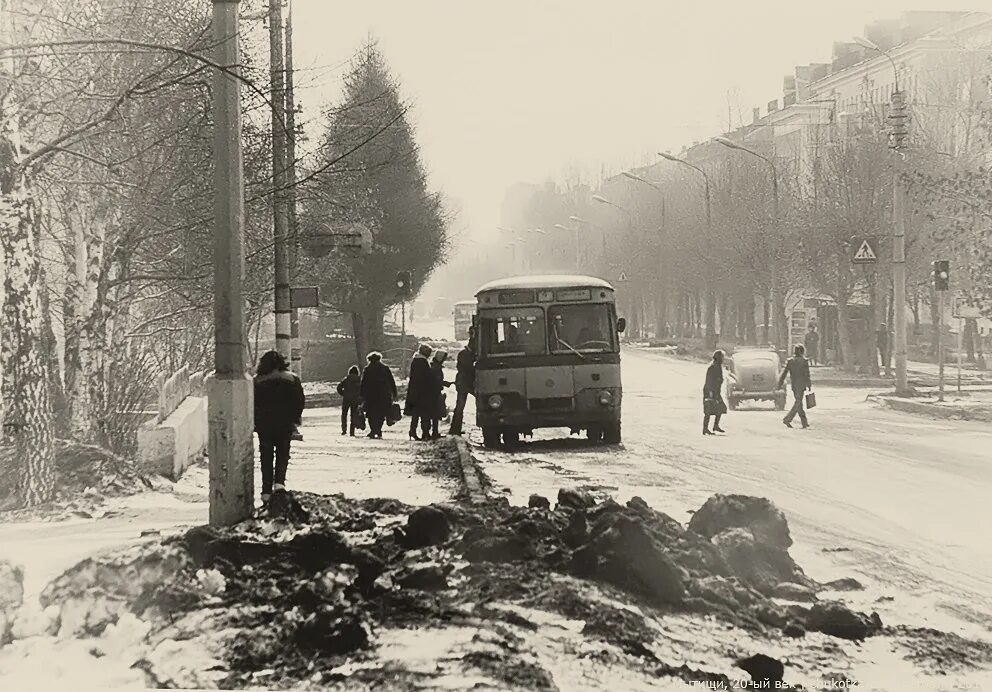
x=810 y=400
x=712 y=407
x=360 y=420
x=395 y=414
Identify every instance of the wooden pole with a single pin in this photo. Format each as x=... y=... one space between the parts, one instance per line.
x=229 y=392
x=283 y=308
x=296 y=350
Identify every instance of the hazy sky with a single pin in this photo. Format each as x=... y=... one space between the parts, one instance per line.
x=520 y=90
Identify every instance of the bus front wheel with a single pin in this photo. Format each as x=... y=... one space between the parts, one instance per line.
x=490 y=438
x=594 y=433
x=511 y=438
x=611 y=434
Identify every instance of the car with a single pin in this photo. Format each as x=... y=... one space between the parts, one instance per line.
x=753 y=375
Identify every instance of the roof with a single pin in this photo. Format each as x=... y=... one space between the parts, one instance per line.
x=545 y=281
x=472 y=302
x=755 y=353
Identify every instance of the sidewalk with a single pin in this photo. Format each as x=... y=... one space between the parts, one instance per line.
x=325 y=462
x=973 y=406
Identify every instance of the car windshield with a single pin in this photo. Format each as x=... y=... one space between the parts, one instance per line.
x=581 y=328
x=510 y=332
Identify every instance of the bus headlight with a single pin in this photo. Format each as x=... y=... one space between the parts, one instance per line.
x=495 y=402
x=605 y=398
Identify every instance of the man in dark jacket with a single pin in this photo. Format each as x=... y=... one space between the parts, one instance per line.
x=797 y=369
x=279 y=403
x=464 y=382
x=378 y=392
x=713 y=391
x=350 y=389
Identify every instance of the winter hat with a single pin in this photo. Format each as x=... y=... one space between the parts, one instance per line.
x=424 y=350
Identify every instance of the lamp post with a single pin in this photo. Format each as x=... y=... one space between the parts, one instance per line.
x=771 y=164
x=711 y=316
x=635 y=324
x=898 y=230
x=575 y=232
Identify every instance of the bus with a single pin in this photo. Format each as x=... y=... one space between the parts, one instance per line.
x=548 y=356
x=464 y=314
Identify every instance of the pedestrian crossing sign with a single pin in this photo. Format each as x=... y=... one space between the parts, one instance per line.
x=866 y=252
x=622 y=277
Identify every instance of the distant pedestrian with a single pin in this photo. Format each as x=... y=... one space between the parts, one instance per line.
x=350 y=389
x=797 y=369
x=464 y=382
x=279 y=403
x=420 y=400
x=438 y=384
x=812 y=343
x=713 y=404
x=378 y=392
x=882 y=343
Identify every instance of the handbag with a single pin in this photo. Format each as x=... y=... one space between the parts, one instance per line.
x=395 y=414
x=360 y=420
x=810 y=399
x=711 y=407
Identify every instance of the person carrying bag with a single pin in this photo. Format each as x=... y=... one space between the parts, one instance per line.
x=797 y=370
x=713 y=404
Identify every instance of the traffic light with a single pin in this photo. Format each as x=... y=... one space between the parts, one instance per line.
x=403 y=284
x=941 y=275
x=898 y=120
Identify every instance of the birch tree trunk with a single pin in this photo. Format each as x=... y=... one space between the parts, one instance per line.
x=28 y=419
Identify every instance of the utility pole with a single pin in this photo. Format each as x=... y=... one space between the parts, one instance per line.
x=279 y=206
x=229 y=390
x=294 y=321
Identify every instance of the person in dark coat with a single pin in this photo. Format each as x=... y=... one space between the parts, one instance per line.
x=797 y=369
x=713 y=391
x=350 y=389
x=464 y=382
x=279 y=403
x=812 y=343
x=378 y=392
x=420 y=396
x=438 y=384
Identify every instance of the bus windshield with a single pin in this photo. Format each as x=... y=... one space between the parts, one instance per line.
x=583 y=328
x=513 y=332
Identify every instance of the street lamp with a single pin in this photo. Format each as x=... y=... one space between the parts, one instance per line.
x=569 y=229
x=771 y=164
x=898 y=237
x=706 y=181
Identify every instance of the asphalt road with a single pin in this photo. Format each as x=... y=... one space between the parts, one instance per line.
x=898 y=501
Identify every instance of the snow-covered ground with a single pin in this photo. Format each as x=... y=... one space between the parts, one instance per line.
x=899 y=501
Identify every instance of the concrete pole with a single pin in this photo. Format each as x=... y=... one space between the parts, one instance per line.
x=899 y=279
x=279 y=207
x=296 y=350
x=940 y=345
x=229 y=390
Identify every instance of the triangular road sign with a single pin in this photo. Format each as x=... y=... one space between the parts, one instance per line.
x=622 y=277
x=865 y=253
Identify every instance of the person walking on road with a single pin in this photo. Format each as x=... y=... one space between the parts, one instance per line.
x=279 y=403
x=812 y=343
x=420 y=400
x=378 y=392
x=437 y=388
x=464 y=382
x=797 y=369
x=713 y=404
x=350 y=389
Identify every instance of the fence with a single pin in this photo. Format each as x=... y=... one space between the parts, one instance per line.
x=173 y=391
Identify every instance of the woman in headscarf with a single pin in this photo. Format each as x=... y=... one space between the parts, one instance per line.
x=378 y=391
x=713 y=395
x=420 y=396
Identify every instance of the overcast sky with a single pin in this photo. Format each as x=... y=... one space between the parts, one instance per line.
x=521 y=90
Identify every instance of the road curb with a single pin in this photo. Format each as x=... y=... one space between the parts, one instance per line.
x=470 y=472
x=935 y=410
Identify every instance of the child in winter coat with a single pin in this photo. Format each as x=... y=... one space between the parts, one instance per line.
x=350 y=389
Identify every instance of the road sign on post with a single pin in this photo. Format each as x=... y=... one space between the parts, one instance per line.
x=622 y=278
x=304 y=297
x=866 y=251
